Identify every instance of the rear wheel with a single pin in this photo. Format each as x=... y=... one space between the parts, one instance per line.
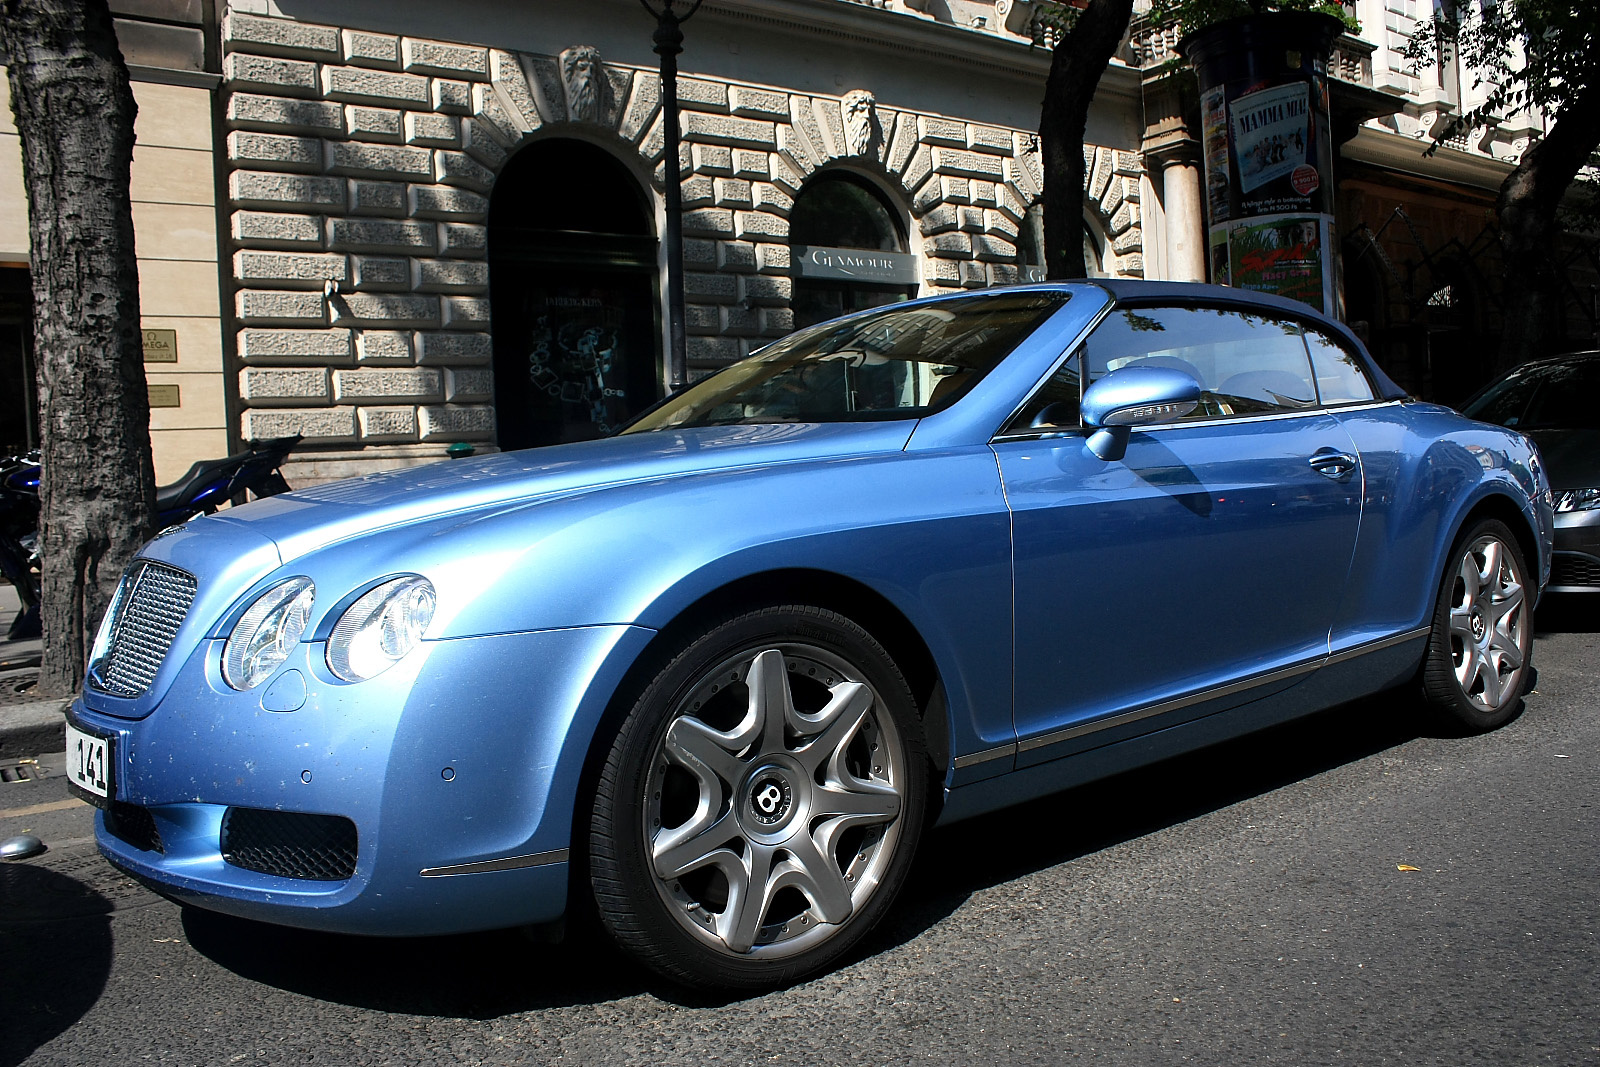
x=761 y=802
x=1481 y=648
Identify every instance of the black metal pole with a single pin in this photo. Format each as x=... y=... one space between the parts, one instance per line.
x=668 y=45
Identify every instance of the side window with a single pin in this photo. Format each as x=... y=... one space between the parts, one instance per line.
x=1246 y=364
x=1060 y=393
x=1340 y=377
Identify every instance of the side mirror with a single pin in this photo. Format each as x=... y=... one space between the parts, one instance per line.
x=1134 y=396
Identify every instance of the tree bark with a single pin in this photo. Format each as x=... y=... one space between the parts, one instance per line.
x=1530 y=234
x=1076 y=66
x=74 y=110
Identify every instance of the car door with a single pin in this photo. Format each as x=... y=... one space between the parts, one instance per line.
x=1200 y=570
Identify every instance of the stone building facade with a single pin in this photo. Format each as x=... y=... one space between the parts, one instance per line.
x=355 y=217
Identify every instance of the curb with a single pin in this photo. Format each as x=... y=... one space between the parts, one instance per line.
x=33 y=728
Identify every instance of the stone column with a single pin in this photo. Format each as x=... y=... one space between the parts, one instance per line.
x=1186 y=232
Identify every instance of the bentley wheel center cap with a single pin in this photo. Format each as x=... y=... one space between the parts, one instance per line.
x=1478 y=626
x=770 y=798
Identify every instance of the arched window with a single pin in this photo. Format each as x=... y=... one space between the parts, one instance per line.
x=838 y=220
x=572 y=283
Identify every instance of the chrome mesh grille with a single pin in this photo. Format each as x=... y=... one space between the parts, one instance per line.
x=145 y=617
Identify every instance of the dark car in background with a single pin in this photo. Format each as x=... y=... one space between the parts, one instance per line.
x=1553 y=401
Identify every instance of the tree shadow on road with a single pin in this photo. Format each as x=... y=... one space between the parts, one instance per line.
x=55 y=940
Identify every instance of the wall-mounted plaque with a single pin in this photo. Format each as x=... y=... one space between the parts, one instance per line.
x=164 y=396
x=160 y=346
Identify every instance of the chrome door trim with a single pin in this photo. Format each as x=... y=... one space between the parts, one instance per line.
x=507 y=863
x=1176 y=704
x=972 y=759
x=1378 y=645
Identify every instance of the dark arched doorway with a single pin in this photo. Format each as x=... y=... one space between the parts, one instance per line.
x=849 y=247
x=572 y=280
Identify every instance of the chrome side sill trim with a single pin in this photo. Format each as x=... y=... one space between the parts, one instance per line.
x=508 y=863
x=972 y=759
x=1379 y=645
x=1123 y=718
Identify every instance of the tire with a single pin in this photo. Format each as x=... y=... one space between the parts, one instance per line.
x=1480 y=651
x=761 y=802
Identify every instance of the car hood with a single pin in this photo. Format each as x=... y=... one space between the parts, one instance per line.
x=1572 y=457
x=305 y=520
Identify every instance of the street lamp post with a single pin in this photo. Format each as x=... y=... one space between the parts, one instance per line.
x=668 y=44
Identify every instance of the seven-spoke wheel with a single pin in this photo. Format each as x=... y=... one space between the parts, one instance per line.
x=761 y=802
x=1482 y=639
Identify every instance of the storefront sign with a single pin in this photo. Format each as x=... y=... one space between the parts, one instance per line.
x=856 y=265
x=160 y=346
x=164 y=396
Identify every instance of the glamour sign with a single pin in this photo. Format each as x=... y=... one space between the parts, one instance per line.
x=856 y=265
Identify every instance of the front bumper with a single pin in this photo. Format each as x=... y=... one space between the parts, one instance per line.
x=463 y=760
x=1575 y=565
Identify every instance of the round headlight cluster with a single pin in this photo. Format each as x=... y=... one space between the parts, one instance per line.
x=267 y=633
x=380 y=629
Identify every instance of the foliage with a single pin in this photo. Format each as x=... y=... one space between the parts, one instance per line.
x=1522 y=53
x=1191 y=15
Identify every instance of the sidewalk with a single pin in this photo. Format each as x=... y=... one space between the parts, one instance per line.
x=28 y=726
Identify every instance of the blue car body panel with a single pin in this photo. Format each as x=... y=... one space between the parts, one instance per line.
x=1081 y=615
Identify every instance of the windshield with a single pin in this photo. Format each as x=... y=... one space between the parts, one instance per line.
x=896 y=363
x=1546 y=396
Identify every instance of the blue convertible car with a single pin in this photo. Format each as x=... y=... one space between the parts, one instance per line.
x=715 y=675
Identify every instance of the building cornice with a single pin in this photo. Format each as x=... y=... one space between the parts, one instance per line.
x=1394 y=151
x=911 y=35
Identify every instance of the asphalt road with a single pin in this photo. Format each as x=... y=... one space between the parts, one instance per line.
x=1244 y=905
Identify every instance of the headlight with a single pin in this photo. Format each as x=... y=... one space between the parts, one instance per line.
x=263 y=639
x=377 y=631
x=1577 y=500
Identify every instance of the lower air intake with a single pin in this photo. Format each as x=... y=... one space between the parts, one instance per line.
x=290 y=844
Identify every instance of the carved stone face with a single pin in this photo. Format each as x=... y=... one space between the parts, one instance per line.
x=584 y=81
x=859 y=107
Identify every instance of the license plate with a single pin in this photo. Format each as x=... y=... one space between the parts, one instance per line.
x=89 y=766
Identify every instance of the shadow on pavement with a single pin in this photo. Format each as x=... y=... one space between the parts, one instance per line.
x=493 y=974
x=55 y=940
x=1567 y=613
x=959 y=860
x=469 y=976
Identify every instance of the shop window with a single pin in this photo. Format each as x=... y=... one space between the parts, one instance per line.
x=848 y=245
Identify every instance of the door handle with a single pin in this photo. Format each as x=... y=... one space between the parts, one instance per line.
x=1333 y=464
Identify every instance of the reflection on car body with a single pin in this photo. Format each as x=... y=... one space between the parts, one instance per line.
x=719 y=672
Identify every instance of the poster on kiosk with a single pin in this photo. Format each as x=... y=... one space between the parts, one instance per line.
x=1268 y=153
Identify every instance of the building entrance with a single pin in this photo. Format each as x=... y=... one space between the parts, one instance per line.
x=572 y=282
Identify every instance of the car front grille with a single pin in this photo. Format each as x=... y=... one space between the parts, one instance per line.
x=290 y=844
x=149 y=607
x=134 y=825
x=1574 y=570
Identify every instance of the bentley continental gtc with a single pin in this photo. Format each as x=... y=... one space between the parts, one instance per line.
x=711 y=678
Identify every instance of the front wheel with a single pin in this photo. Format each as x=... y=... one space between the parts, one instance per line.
x=1481 y=648
x=760 y=805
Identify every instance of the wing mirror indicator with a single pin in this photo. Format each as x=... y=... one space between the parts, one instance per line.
x=1135 y=396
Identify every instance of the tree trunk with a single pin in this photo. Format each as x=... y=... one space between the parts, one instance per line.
x=74 y=110
x=1530 y=234
x=1076 y=66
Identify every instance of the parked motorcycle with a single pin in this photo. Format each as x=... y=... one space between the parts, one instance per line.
x=207 y=486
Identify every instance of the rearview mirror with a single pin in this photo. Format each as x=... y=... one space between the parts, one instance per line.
x=1135 y=396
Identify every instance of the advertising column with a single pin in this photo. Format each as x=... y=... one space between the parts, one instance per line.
x=1268 y=153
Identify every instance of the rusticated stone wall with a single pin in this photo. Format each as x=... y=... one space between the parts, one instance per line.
x=360 y=168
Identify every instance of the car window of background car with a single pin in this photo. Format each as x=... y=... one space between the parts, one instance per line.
x=1245 y=364
x=1340 y=376
x=1565 y=398
x=901 y=362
